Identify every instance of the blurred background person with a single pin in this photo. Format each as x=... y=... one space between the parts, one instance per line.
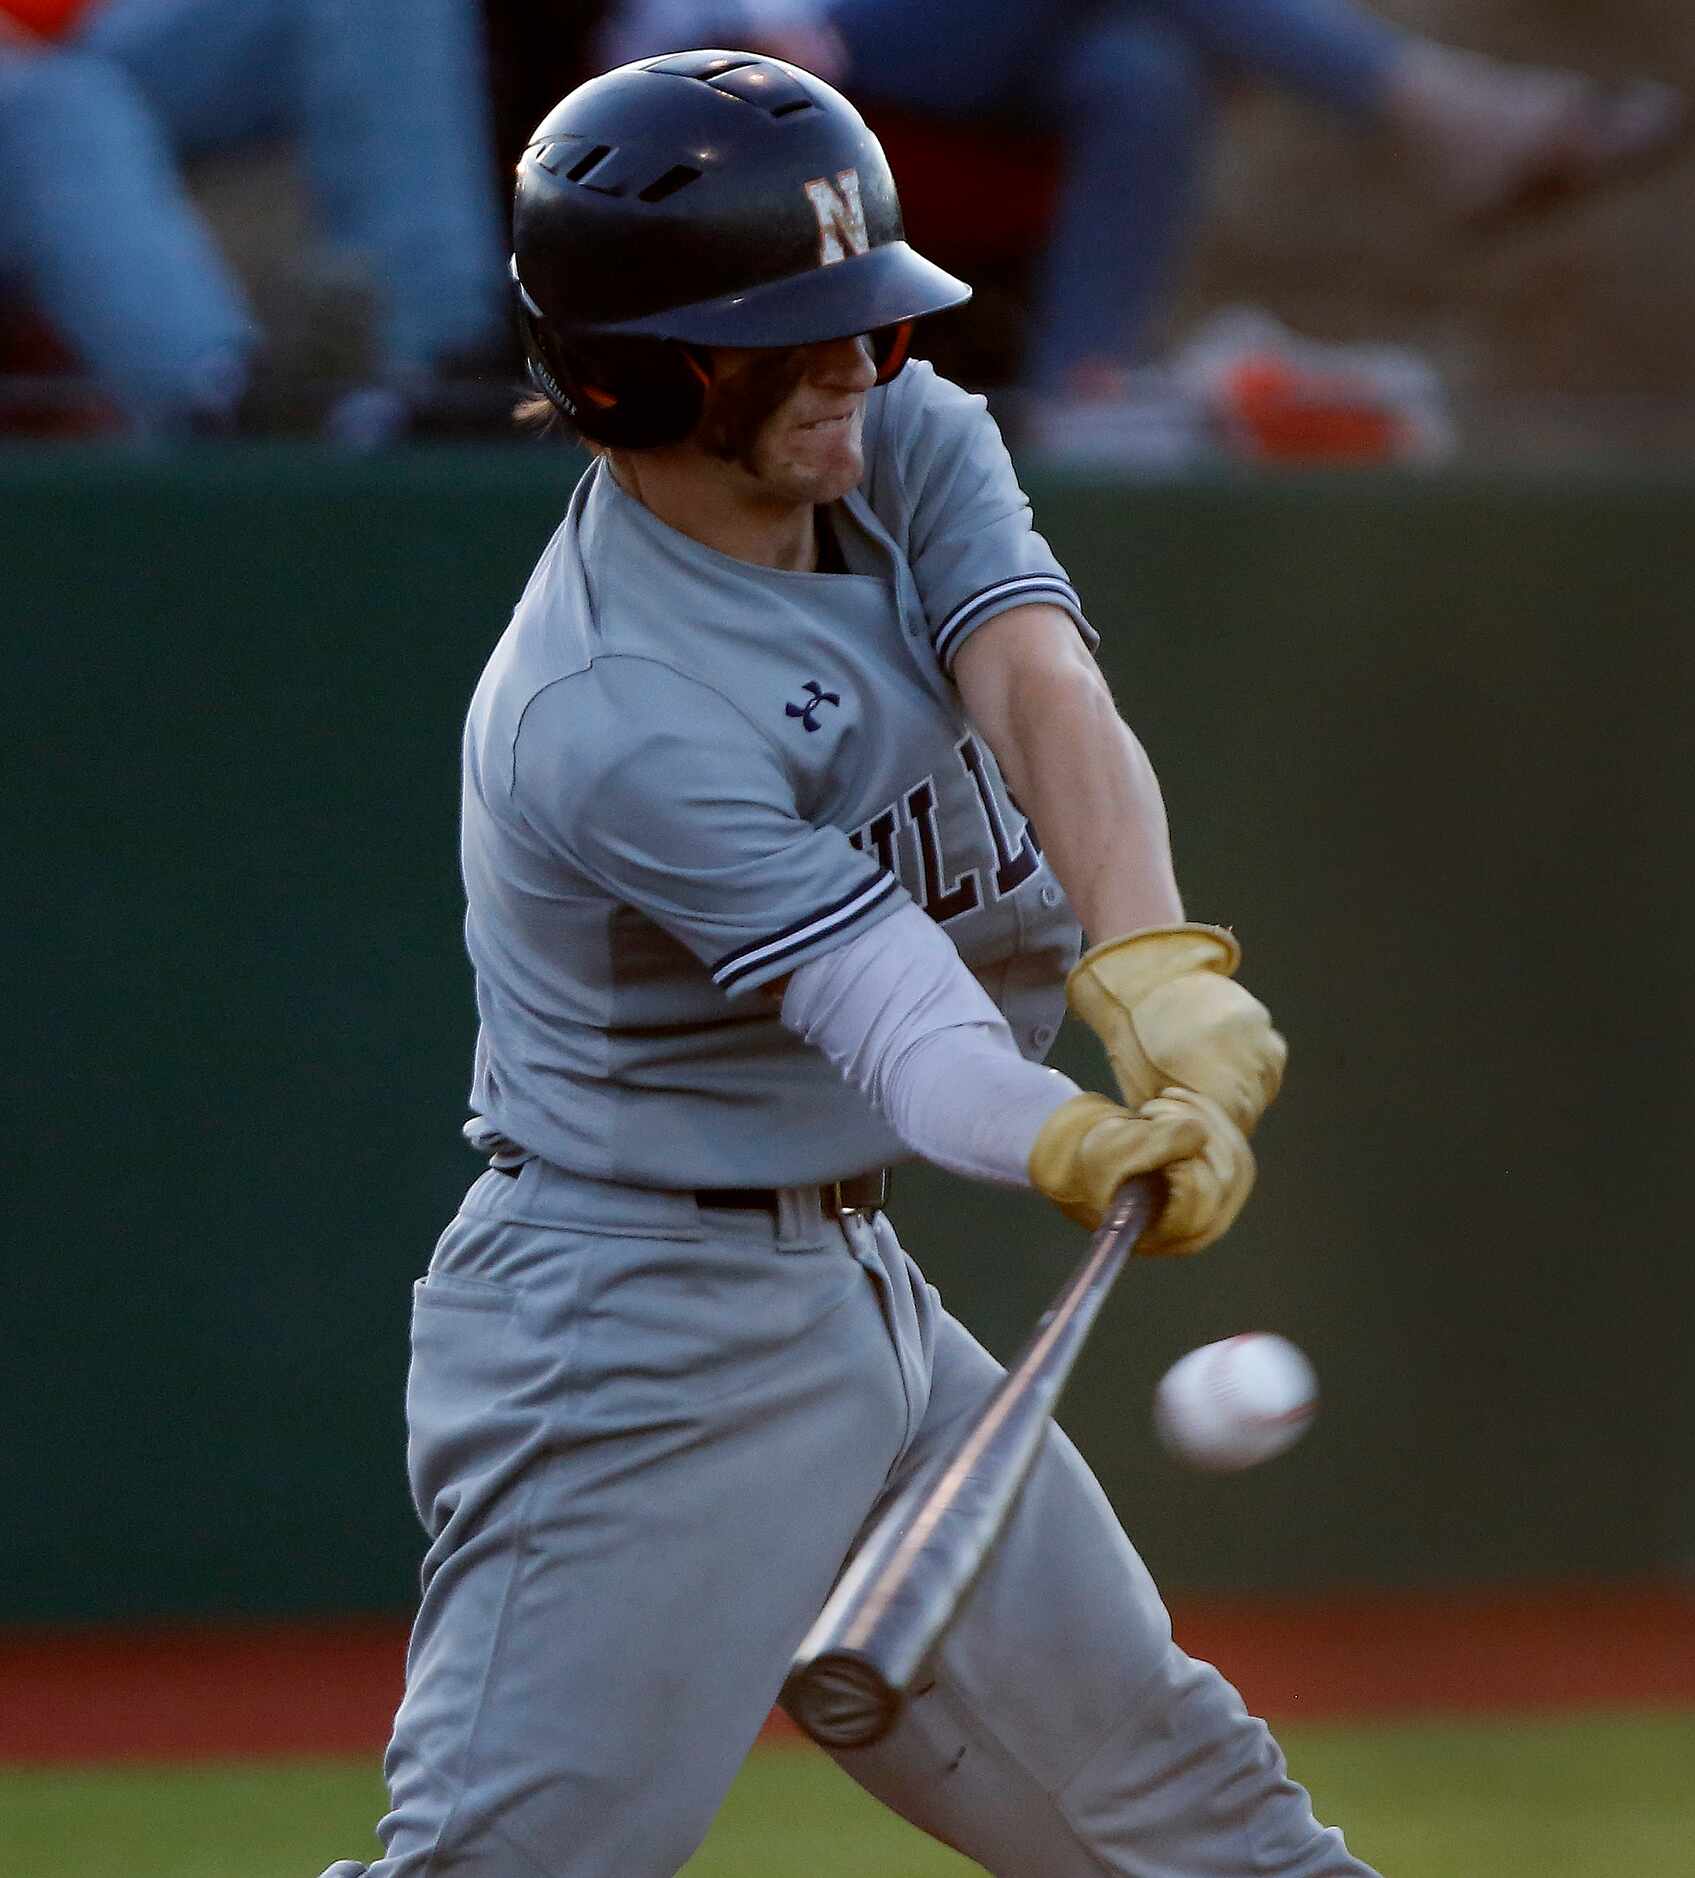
x=385 y=107
x=1132 y=88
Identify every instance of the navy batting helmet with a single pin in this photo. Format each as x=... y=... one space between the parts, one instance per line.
x=703 y=199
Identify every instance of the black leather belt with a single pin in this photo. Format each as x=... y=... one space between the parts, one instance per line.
x=862 y=1193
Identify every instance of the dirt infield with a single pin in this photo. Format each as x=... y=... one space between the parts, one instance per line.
x=331 y=1689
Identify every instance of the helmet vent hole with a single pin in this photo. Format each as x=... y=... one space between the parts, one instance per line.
x=679 y=176
x=702 y=65
x=773 y=88
x=588 y=161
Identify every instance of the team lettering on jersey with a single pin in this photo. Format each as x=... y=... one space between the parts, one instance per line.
x=841 y=216
x=942 y=897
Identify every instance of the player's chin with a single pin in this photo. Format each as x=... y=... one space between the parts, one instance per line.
x=826 y=470
x=823 y=462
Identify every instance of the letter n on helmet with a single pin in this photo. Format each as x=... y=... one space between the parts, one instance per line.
x=841 y=216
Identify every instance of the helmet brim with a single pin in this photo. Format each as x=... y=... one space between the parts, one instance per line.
x=857 y=295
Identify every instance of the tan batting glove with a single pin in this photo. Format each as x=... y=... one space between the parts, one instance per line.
x=1164 y=1004
x=1088 y=1147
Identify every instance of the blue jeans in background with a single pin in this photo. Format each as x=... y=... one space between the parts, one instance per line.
x=387 y=106
x=1130 y=87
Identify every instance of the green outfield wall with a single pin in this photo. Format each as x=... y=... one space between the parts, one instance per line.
x=1426 y=745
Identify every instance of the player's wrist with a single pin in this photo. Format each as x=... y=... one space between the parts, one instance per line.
x=1153 y=955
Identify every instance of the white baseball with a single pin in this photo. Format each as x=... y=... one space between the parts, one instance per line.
x=1235 y=1403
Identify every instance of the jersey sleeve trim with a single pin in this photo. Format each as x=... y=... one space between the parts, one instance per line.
x=1015 y=590
x=735 y=968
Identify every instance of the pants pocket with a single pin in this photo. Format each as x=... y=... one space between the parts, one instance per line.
x=466 y=1367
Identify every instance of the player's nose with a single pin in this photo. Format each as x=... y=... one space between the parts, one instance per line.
x=843 y=364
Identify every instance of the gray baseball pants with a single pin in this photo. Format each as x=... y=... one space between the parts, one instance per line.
x=644 y=1436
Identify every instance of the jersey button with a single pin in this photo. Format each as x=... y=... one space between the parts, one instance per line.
x=1042 y=1036
x=1050 y=896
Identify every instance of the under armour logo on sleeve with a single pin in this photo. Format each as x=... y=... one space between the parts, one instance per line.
x=816 y=695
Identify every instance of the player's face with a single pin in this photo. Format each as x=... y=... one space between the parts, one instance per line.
x=792 y=418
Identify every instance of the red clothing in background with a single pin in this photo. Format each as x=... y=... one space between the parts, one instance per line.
x=49 y=18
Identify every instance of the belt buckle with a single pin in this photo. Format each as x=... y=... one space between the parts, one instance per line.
x=838 y=1206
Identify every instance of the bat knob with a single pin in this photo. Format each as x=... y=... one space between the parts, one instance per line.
x=841 y=1700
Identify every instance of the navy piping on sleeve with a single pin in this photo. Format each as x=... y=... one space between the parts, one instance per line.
x=733 y=967
x=998 y=594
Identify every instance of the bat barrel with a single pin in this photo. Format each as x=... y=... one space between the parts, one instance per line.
x=850 y=1675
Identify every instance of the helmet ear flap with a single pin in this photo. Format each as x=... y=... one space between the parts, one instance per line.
x=624 y=393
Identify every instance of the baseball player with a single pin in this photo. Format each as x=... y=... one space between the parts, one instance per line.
x=757 y=906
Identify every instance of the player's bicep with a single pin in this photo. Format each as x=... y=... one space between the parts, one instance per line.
x=1008 y=670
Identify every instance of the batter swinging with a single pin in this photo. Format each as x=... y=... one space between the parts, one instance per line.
x=754 y=913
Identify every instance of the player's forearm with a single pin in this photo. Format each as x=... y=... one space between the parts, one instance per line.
x=1075 y=768
x=1098 y=809
x=899 y=1015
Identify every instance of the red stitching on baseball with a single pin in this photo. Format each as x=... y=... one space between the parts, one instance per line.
x=1217 y=1377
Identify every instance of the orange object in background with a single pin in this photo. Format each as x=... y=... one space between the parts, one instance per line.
x=1277 y=411
x=50 y=18
x=1272 y=396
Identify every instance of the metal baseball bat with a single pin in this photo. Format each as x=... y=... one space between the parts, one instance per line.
x=849 y=1678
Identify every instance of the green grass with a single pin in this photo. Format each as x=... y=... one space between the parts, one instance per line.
x=1586 y=1797
x=1571 y=1798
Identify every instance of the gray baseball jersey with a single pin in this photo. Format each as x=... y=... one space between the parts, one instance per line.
x=685 y=775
